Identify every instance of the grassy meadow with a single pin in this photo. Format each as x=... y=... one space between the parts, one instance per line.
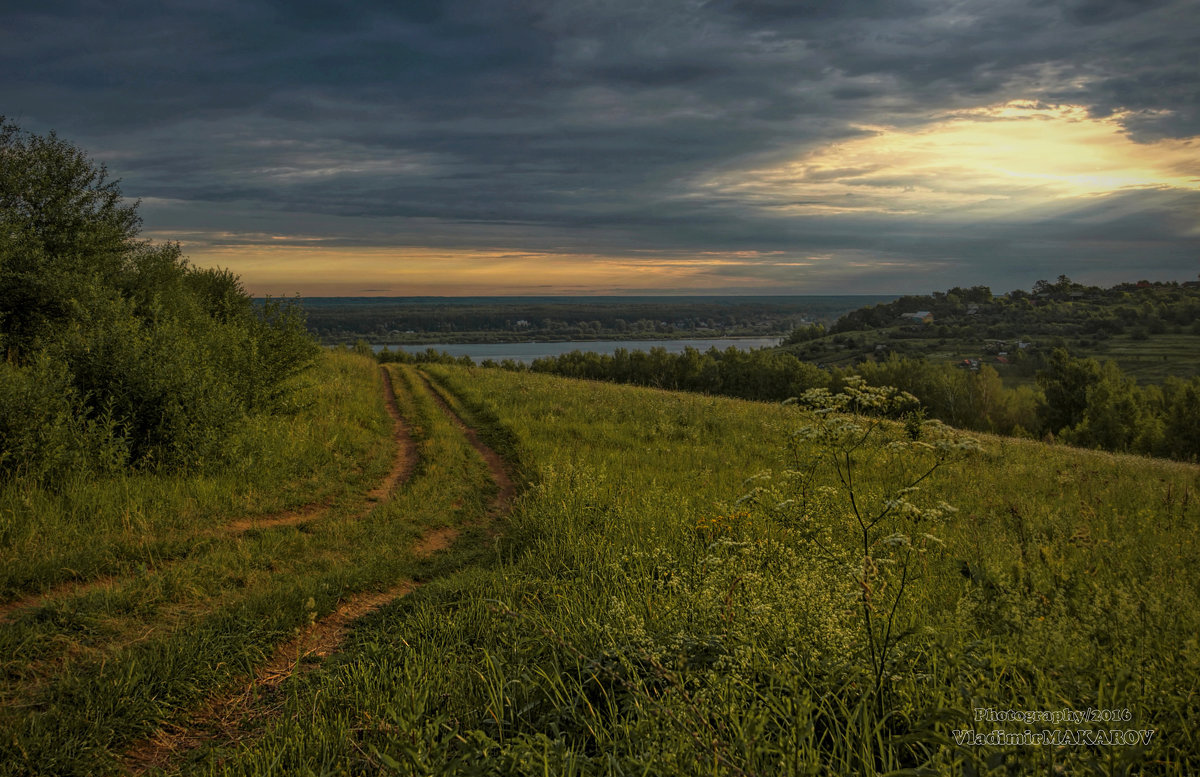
x=1153 y=359
x=684 y=585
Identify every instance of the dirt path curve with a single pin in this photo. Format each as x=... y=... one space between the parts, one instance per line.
x=224 y=717
x=403 y=462
x=406 y=449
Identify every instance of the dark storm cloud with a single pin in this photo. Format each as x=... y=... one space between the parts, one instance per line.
x=585 y=124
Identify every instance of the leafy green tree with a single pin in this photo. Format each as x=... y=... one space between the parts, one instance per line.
x=1065 y=382
x=63 y=224
x=1116 y=417
x=802 y=334
x=1181 y=419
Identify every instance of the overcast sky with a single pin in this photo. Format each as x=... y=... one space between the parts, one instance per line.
x=635 y=146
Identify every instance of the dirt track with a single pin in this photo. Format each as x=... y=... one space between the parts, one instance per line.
x=403 y=462
x=225 y=716
x=495 y=464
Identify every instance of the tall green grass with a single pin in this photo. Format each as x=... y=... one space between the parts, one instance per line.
x=330 y=449
x=641 y=617
x=86 y=676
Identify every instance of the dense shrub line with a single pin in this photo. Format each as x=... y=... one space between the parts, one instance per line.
x=117 y=352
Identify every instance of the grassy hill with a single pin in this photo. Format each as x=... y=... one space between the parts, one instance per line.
x=679 y=586
x=224 y=550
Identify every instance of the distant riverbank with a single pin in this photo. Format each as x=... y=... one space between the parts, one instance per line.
x=527 y=352
x=425 y=340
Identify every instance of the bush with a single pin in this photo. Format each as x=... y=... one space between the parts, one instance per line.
x=43 y=429
x=161 y=380
x=118 y=352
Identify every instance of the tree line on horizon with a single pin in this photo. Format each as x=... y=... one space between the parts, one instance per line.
x=1052 y=310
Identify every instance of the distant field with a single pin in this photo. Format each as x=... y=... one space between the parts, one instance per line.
x=1150 y=360
x=677 y=587
x=1153 y=359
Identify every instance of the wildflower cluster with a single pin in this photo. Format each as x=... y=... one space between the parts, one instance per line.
x=711 y=527
x=857 y=398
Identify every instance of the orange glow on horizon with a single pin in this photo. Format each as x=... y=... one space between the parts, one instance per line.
x=309 y=270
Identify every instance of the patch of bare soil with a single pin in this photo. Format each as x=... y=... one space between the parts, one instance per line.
x=74 y=588
x=436 y=541
x=285 y=518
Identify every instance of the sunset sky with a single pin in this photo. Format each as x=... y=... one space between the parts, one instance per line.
x=470 y=147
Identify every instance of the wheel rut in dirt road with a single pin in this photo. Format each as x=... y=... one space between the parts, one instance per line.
x=495 y=463
x=227 y=717
x=403 y=462
x=406 y=449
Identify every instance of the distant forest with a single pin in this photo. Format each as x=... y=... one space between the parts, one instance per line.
x=1060 y=309
x=416 y=320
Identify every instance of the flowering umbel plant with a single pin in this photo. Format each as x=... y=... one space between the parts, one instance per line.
x=854 y=489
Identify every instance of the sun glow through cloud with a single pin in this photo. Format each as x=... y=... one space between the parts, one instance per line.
x=617 y=147
x=987 y=161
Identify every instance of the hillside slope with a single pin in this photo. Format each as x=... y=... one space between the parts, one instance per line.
x=684 y=588
x=1151 y=330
